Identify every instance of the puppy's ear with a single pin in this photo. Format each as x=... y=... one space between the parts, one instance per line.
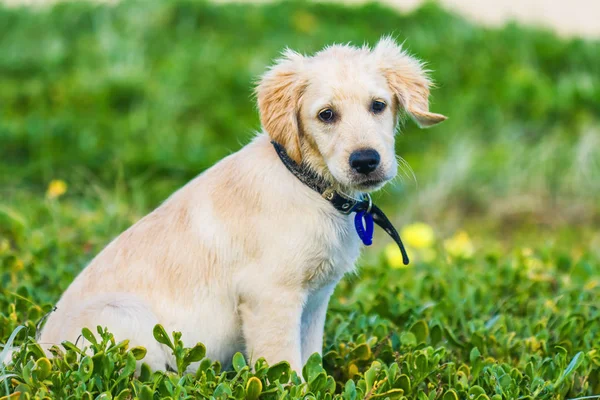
x=279 y=92
x=408 y=80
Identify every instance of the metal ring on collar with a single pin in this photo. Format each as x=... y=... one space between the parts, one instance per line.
x=370 y=202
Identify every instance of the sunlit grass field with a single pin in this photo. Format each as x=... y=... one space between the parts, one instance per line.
x=106 y=110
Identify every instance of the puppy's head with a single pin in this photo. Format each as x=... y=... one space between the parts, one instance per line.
x=337 y=111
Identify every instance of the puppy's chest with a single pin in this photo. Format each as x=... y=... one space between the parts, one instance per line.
x=335 y=251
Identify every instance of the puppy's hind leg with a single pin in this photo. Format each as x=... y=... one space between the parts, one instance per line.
x=125 y=315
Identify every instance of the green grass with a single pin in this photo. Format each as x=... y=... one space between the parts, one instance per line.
x=127 y=103
x=514 y=325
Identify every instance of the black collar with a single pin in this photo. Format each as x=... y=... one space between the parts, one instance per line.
x=339 y=201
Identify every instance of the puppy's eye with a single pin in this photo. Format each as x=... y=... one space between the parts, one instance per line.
x=326 y=115
x=377 y=106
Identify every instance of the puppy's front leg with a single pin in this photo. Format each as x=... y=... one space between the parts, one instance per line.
x=271 y=322
x=313 y=321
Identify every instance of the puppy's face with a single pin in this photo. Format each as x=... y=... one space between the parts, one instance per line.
x=338 y=110
x=348 y=119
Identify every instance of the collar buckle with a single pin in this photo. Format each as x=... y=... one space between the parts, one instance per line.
x=329 y=194
x=339 y=201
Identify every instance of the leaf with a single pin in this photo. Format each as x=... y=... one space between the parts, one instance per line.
x=403 y=383
x=89 y=336
x=9 y=343
x=436 y=334
x=573 y=365
x=279 y=372
x=490 y=324
x=260 y=365
x=70 y=346
x=26 y=374
x=124 y=344
x=138 y=352
x=124 y=395
x=6 y=376
x=476 y=362
x=371 y=374
x=390 y=394
x=313 y=367
x=318 y=382
x=475 y=391
x=86 y=368
x=361 y=352
x=194 y=354
x=421 y=331
x=42 y=368
x=253 y=388
x=146 y=393
x=475 y=355
x=452 y=338
x=98 y=360
x=13 y=396
x=422 y=364
x=223 y=390
x=129 y=368
x=160 y=335
x=408 y=339
x=203 y=367
x=330 y=385
x=145 y=373
x=35 y=350
x=450 y=395
x=238 y=361
x=350 y=390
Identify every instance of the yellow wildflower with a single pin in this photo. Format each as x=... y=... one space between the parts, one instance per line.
x=56 y=188
x=394 y=256
x=540 y=276
x=460 y=245
x=17 y=265
x=418 y=235
x=533 y=343
x=551 y=305
x=526 y=252
x=533 y=264
x=591 y=284
x=4 y=246
x=352 y=370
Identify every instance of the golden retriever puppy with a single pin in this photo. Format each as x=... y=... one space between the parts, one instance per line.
x=245 y=256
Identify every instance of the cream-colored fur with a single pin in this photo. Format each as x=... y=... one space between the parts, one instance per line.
x=245 y=256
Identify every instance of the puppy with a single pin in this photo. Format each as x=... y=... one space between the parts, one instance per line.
x=246 y=255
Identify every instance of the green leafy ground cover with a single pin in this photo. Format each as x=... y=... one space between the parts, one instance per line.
x=122 y=105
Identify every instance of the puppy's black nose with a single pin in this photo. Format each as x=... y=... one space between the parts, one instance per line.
x=364 y=161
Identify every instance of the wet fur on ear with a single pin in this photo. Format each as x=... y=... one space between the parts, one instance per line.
x=278 y=93
x=408 y=80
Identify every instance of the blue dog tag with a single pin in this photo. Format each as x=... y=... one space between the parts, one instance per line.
x=365 y=232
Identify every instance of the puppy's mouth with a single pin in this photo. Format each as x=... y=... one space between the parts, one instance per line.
x=370 y=184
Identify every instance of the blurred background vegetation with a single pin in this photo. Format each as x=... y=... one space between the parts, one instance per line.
x=151 y=93
x=125 y=103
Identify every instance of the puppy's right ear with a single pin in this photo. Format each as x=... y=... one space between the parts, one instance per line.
x=279 y=92
x=408 y=80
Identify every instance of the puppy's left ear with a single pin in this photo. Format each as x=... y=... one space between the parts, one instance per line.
x=279 y=93
x=408 y=80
